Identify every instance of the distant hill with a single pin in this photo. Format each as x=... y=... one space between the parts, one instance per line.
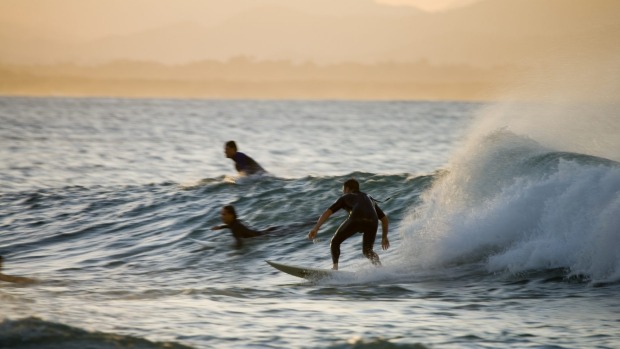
x=243 y=78
x=492 y=32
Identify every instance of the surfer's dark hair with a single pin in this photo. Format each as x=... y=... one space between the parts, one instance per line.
x=231 y=209
x=231 y=144
x=352 y=184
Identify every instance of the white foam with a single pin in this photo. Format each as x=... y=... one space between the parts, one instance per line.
x=518 y=195
x=515 y=215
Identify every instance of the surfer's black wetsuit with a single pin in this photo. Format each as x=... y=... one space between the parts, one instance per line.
x=240 y=231
x=246 y=164
x=364 y=214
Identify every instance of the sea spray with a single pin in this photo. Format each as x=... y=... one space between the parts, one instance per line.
x=578 y=225
x=536 y=183
x=514 y=205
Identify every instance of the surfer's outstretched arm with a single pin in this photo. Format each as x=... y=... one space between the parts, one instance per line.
x=16 y=279
x=319 y=223
x=12 y=278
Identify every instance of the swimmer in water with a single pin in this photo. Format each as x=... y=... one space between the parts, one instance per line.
x=238 y=230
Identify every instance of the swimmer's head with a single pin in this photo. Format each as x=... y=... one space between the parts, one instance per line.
x=230 y=149
x=228 y=214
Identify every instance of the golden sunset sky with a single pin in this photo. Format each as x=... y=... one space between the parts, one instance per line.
x=430 y=5
x=324 y=31
x=462 y=38
x=75 y=19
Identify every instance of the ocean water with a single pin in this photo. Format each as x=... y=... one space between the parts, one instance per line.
x=505 y=230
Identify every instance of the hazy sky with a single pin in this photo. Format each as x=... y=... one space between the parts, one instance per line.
x=430 y=5
x=479 y=32
x=85 y=19
x=459 y=36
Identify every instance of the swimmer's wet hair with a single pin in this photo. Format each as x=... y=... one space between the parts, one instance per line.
x=231 y=209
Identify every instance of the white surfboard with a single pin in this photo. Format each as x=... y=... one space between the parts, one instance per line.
x=206 y=244
x=305 y=272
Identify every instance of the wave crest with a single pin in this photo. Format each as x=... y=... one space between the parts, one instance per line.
x=516 y=206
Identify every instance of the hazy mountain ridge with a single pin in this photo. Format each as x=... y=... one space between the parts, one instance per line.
x=249 y=79
x=277 y=50
x=244 y=68
x=486 y=33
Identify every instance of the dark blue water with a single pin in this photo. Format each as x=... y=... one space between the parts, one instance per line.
x=500 y=237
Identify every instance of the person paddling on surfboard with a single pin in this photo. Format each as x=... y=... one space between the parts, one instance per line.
x=244 y=164
x=238 y=230
x=364 y=214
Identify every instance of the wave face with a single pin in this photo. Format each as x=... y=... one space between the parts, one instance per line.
x=36 y=333
x=513 y=205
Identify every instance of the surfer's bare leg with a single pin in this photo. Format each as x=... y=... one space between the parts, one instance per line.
x=335 y=266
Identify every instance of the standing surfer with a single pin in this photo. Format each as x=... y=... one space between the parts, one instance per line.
x=364 y=214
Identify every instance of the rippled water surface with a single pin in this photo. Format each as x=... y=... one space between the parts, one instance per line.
x=498 y=241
